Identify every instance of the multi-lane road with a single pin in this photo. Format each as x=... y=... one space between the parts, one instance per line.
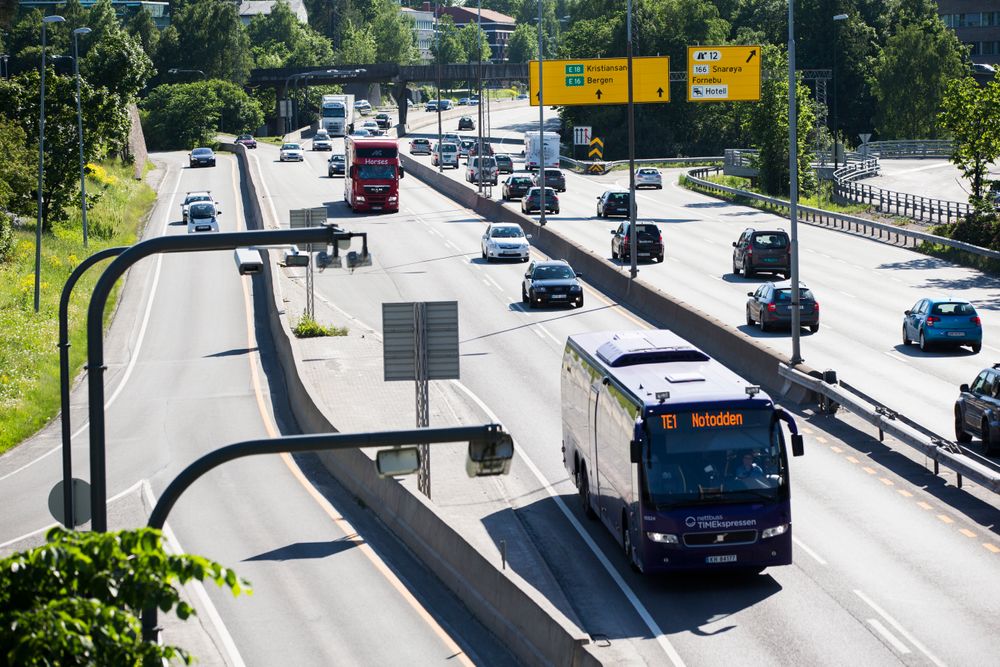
x=885 y=572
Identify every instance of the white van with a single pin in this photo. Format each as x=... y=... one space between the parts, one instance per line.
x=446 y=154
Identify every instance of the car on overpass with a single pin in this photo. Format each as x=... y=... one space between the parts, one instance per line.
x=944 y=322
x=551 y=282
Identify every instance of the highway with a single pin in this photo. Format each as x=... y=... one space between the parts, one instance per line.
x=882 y=567
x=885 y=571
x=863 y=287
x=330 y=583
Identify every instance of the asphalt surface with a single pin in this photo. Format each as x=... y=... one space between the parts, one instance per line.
x=330 y=583
x=881 y=571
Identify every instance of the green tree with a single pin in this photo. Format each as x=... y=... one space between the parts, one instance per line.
x=768 y=126
x=186 y=115
x=523 y=44
x=15 y=180
x=469 y=35
x=969 y=115
x=142 y=27
x=206 y=35
x=447 y=48
x=118 y=64
x=910 y=77
x=280 y=40
x=358 y=46
x=77 y=600
x=393 y=32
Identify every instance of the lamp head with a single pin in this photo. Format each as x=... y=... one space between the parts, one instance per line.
x=172 y=70
x=53 y=18
x=82 y=31
x=840 y=17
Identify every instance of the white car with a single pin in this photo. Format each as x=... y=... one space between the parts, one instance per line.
x=505 y=240
x=203 y=217
x=198 y=195
x=322 y=141
x=372 y=127
x=363 y=106
x=647 y=177
x=290 y=152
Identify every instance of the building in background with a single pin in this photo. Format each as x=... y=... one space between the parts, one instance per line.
x=498 y=27
x=977 y=24
x=251 y=8
x=423 y=29
x=124 y=9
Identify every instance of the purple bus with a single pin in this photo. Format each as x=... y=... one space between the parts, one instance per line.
x=682 y=460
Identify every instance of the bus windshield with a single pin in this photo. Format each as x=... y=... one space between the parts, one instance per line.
x=376 y=171
x=713 y=456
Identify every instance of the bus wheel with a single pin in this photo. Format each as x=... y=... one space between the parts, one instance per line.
x=588 y=511
x=627 y=545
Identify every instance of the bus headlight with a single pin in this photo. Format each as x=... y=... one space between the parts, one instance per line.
x=775 y=531
x=662 y=538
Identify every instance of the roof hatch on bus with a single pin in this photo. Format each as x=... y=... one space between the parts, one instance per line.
x=635 y=349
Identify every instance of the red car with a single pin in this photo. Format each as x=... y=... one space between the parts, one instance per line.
x=247 y=140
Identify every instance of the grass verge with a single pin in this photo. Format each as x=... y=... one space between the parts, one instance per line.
x=29 y=357
x=307 y=327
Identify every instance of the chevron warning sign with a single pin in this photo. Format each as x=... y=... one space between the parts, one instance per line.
x=596 y=148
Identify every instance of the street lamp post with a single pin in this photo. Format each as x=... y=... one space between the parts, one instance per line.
x=836 y=19
x=793 y=186
x=41 y=161
x=79 y=128
x=541 y=125
x=633 y=237
x=437 y=103
x=4 y=66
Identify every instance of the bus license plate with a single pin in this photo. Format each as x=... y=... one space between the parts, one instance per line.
x=729 y=558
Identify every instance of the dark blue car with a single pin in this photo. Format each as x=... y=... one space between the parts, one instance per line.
x=952 y=322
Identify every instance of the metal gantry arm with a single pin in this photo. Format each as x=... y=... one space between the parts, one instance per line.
x=95 y=327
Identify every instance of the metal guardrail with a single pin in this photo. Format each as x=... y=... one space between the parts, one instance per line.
x=917 y=207
x=862 y=168
x=918 y=148
x=584 y=165
x=907 y=238
x=941 y=451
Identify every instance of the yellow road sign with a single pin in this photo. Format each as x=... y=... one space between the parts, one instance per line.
x=723 y=73
x=597 y=141
x=600 y=81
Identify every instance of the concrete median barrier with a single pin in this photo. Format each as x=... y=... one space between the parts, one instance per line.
x=526 y=622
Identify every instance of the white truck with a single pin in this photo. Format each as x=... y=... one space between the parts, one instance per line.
x=337 y=114
x=538 y=149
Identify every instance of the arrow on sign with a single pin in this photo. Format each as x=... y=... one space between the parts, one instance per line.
x=659 y=92
x=752 y=54
x=596 y=141
x=598 y=93
x=595 y=151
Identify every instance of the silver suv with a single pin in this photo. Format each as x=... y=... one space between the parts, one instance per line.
x=486 y=164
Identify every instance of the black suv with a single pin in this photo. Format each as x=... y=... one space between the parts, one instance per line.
x=383 y=120
x=649 y=242
x=515 y=187
x=466 y=123
x=977 y=410
x=554 y=178
x=612 y=202
x=551 y=282
x=762 y=250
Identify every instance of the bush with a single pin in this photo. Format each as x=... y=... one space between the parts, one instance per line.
x=6 y=236
x=307 y=327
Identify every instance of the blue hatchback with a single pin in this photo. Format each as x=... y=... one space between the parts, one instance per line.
x=943 y=322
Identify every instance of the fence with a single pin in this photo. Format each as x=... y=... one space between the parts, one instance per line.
x=841 y=221
x=919 y=148
x=925 y=209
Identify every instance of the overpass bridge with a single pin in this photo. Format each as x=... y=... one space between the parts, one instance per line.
x=400 y=75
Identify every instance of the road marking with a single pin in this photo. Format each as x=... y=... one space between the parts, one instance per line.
x=135 y=350
x=847 y=294
x=633 y=599
x=451 y=245
x=549 y=334
x=821 y=439
x=886 y=481
x=342 y=524
x=888 y=636
x=835 y=449
x=923 y=505
x=800 y=544
x=870 y=471
x=904 y=492
x=494 y=282
x=899 y=628
x=852 y=459
x=967 y=532
x=945 y=518
x=992 y=547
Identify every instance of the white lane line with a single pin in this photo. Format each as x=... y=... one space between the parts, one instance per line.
x=895 y=356
x=847 y=294
x=434 y=232
x=135 y=351
x=228 y=645
x=451 y=245
x=888 y=636
x=815 y=556
x=549 y=334
x=714 y=277
x=493 y=282
x=651 y=624
x=899 y=628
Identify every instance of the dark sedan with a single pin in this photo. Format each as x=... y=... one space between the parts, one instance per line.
x=551 y=282
x=202 y=157
x=554 y=178
x=612 y=202
x=505 y=165
x=771 y=305
x=515 y=187
x=466 y=123
x=335 y=166
x=383 y=120
x=532 y=201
